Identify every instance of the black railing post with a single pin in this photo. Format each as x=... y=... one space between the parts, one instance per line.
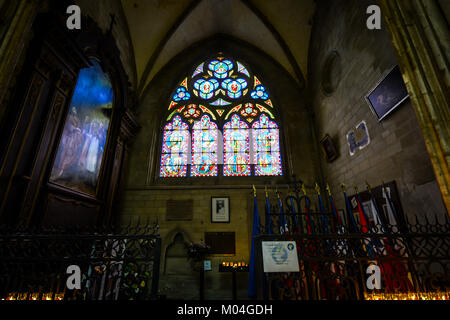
x=156 y=266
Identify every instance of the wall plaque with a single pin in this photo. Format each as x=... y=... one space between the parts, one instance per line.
x=221 y=242
x=179 y=210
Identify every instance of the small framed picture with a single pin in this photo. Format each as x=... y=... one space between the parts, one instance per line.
x=388 y=94
x=220 y=209
x=328 y=148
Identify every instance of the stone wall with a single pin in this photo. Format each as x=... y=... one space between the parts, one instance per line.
x=146 y=195
x=151 y=203
x=397 y=149
x=100 y=11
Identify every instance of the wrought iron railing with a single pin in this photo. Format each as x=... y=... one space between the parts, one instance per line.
x=413 y=258
x=115 y=263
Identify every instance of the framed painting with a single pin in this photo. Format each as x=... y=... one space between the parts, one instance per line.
x=388 y=94
x=220 y=209
x=328 y=148
x=80 y=152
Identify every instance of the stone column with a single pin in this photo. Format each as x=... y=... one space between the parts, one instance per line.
x=420 y=35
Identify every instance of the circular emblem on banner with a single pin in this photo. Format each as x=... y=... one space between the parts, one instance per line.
x=279 y=254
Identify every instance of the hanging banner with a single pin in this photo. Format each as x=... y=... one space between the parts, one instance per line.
x=280 y=256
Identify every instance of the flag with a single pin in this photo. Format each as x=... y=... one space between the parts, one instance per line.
x=394 y=219
x=337 y=218
x=399 y=270
x=309 y=222
x=349 y=210
x=386 y=268
x=322 y=211
x=284 y=228
x=252 y=294
x=365 y=226
x=362 y=243
x=363 y=219
x=378 y=217
x=296 y=227
x=378 y=221
x=269 y=229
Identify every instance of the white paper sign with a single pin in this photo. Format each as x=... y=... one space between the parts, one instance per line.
x=280 y=256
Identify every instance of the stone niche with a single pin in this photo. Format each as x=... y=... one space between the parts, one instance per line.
x=179 y=280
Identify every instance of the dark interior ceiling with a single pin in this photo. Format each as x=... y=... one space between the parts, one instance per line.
x=161 y=29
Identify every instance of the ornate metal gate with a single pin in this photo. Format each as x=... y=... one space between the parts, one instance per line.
x=337 y=259
x=114 y=263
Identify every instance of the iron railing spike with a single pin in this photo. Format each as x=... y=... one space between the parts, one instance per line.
x=417 y=219
x=435 y=218
x=438 y=221
x=407 y=219
x=426 y=220
x=138 y=221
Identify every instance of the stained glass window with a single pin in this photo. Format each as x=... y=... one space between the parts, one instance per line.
x=234 y=87
x=206 y=88
x=80 y=152
x=220 y=68
x=181 y=94
x=260 y=93
x=266 y=147
x=204 y=148
x=236 y=154
x=221 y=114
x=174 y=157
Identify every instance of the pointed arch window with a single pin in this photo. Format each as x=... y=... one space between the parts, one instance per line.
x=174 y=157
x=221 y=121
x=236 y=158
x=266 y=147
x=204 y=148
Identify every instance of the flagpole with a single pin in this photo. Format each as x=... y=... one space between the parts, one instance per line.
x=403 y=241
x=349 y=210
x=361 y=208
x=309 y=222
x=365 y=225
x=283 y=222
x=252 y=289
x=341 y=245
x=291 y=198
x=391 y=205
x=268 y=221
x=372 y=198
x=322 y=210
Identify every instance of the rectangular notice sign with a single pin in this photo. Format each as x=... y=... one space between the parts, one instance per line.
x=280 y=256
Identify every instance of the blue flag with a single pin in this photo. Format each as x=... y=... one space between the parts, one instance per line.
x=322 y=211
x=252 y=294
x=374 y=203
x=337 y=218
x=283 y=221
x=269 y=229
x=350 y=213
x=294 y=214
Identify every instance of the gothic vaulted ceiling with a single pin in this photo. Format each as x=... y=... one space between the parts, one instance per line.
x=161 y=29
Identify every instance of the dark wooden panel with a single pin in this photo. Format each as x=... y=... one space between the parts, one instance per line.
x=66 y=211
x=221 y=242
x=179 y=210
